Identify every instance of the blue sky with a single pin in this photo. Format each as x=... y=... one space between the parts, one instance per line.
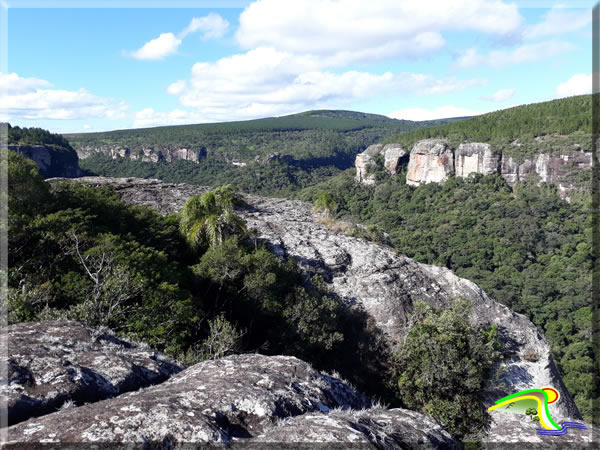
x=99 y=69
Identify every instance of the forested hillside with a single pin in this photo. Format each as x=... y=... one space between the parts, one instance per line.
x=555 y=126
x=525 y=247
x=304 y=135
x=282 y=154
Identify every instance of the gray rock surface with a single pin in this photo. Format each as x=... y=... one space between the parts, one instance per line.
x=60 y=362
x=233 y=399
x=378 y=280
x=392 y=154
x=52 y=162
x=431 y=161
x=394 y=428
x=476 y=157
x=157 y=154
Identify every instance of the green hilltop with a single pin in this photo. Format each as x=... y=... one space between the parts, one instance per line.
x=554 y=126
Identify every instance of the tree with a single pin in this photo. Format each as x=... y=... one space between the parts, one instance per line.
x=208 y=219
x=443 y=365
x=324 y=204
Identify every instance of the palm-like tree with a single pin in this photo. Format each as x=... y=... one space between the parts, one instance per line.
x=324 y=204
x=207 y=220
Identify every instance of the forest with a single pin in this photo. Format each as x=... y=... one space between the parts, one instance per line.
x=525 y=246
x=549 y=127
x=309 y=135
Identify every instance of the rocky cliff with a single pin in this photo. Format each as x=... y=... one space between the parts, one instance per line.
x=431 y=160
x=376 y=279
x=147 y=154
x=53 y=162
x=245 y=399
x=434 y=160
x=365 y=161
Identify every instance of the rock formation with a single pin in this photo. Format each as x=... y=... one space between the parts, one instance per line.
x=365 y=161
x=377 y=279
x=431 y=160
x=554 y=169
x=52 y=162
x=58 y=363
x=476 y=157
x=233 y=400
x=146 y=154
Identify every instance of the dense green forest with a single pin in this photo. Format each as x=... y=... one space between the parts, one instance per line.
x=197 y=286
x=33 y=136
x=276 y=178
x=525 y=247
x=305 y=135
x=553 y=127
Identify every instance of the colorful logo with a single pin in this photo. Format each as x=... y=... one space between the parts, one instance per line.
x=534 y=403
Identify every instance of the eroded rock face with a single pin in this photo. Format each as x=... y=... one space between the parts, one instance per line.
x=554 y=169
x=431 y=161
x=377 y=279
x=54 y=363
x=211 y=402
x=392 y=154
x=147 y=154
x=395 y=428
x=476 y=157
x=52 y=162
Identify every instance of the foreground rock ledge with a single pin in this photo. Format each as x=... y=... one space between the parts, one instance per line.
x=62 y=363
x=376 y=278
x=234 y=399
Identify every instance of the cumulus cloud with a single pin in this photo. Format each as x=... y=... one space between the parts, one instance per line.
x=500 y=96
x=356 y=31
x=522 y=54
x=211 y=26
x=441 y=112
x=31 y=98
x=267 y=82
x=578 y=84
x=557 y=21
x=164 y=45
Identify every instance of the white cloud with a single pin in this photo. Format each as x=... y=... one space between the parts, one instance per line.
x=212 y=26
x=522 y=54
x=500 y=96
x=557 y=21
x=267 y=82
x=164 y=45
x=28 y=98
x=578 y=84
x=357 y=31
x=149 y=118
x=441 y=112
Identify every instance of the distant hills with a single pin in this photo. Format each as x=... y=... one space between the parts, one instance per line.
x=318 y=133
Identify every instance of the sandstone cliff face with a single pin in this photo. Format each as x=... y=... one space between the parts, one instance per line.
x=147 y=154
x=554 y=169
x=431 y=161
x=52 y=162
x=476 y=157
x=376 y=279
x=51 y=364
x=392 y=154
x=229 y=401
